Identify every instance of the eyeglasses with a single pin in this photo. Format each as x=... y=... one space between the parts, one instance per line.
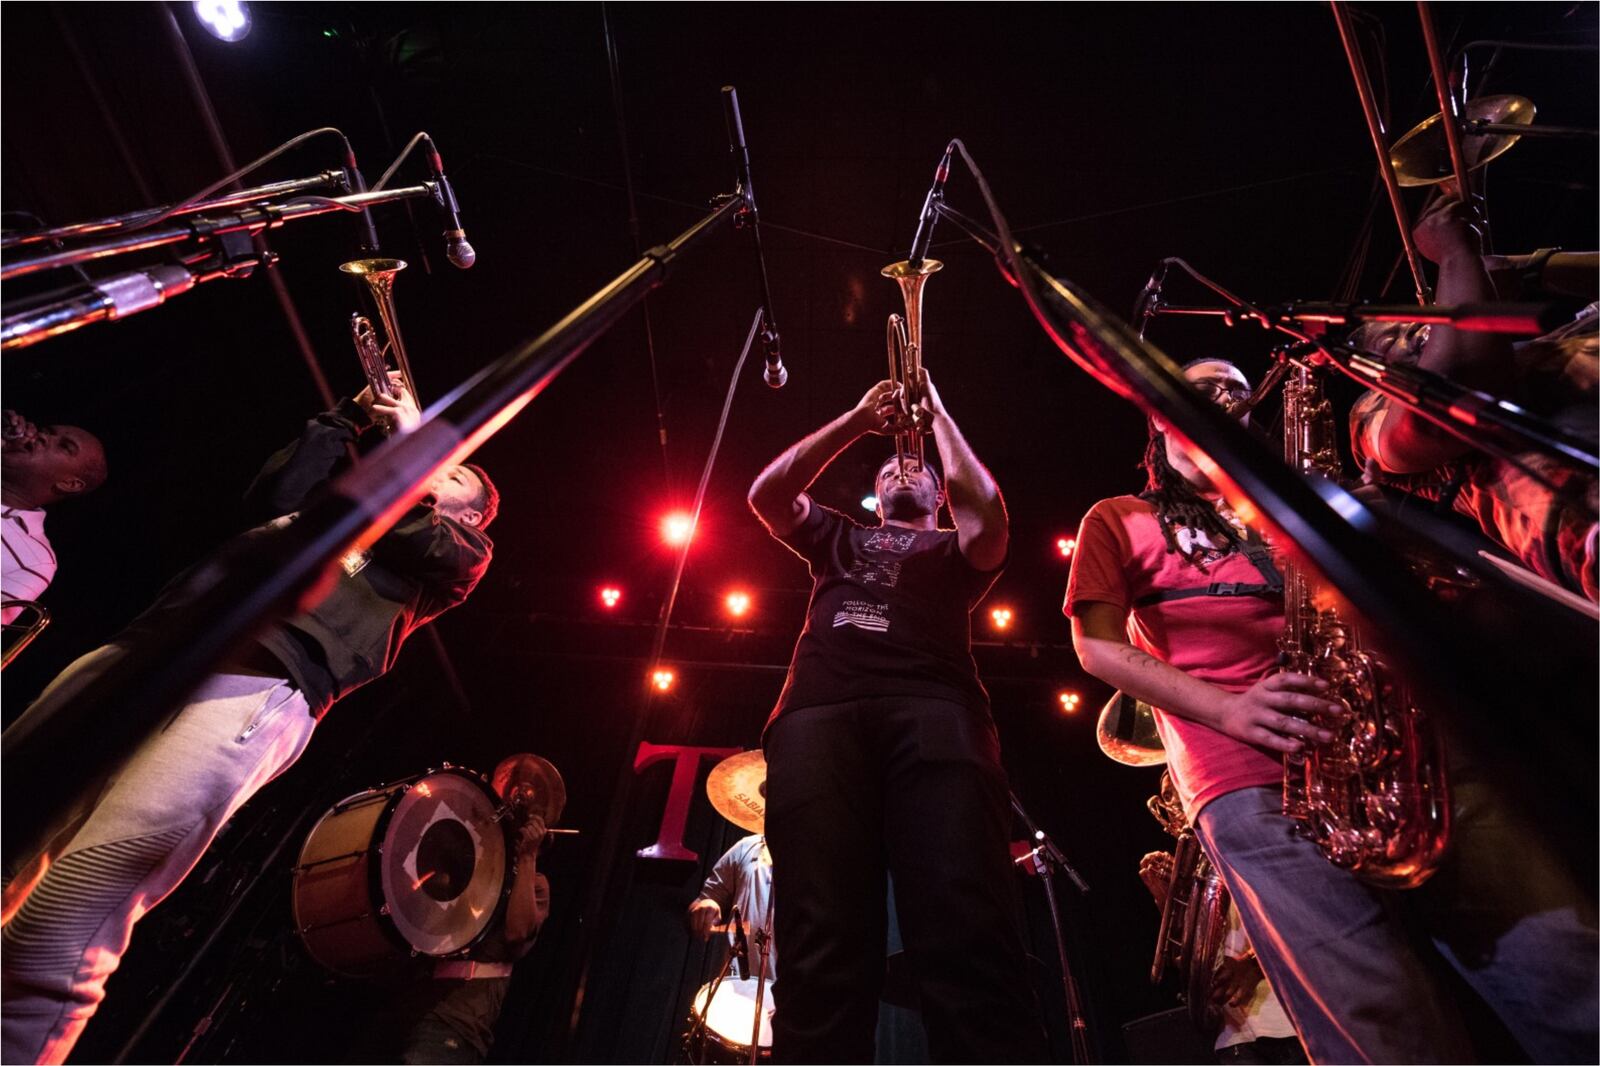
x=1219 y=389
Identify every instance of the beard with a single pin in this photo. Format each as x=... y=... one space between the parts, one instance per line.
x=907 y=506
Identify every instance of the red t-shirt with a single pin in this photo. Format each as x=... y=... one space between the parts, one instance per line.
x=1229 y=641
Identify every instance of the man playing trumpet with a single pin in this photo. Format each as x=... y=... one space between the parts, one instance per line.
x=882 y=756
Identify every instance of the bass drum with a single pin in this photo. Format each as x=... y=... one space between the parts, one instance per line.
x=420 y=867
x=720 y=1032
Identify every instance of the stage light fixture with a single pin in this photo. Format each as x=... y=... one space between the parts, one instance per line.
x=226 y=20
x=869 y=503
x=1066 y=546
x=610 y=596
x=1000 y=617
x=1069 y=701
x=662 y=680
x=677 y=528
x=738 y=603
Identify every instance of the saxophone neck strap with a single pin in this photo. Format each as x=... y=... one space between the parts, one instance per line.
x=1259 y=556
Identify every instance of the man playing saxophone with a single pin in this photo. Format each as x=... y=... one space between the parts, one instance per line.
x=1176 y=602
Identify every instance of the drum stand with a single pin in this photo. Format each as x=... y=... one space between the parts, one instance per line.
x=1046 y=859
x=763 y=940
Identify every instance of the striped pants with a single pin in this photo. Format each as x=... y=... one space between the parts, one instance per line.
x=140 y=838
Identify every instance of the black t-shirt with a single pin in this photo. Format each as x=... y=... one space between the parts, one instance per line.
x=890 y=614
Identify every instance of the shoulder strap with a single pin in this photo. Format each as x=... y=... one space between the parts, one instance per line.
x=1255 y=551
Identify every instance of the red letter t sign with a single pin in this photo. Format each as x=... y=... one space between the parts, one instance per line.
x=686 y=767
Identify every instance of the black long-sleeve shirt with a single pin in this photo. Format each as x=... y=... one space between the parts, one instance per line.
x=427 y=564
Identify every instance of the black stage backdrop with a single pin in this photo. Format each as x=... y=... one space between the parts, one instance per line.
x=1113 y=136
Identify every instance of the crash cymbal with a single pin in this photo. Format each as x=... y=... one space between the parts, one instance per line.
x=1422 y=157
x=737 y=787
x=538 y=784
x=1127 y=733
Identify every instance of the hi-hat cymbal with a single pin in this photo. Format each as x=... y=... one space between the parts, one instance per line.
x=737 y=787
x=1422 y=157
x=1127 y=733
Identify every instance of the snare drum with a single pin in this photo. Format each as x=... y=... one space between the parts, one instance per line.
x=724 y=1036
x=420 y=867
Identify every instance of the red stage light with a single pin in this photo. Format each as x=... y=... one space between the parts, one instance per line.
x=738 y=603
x=1066 y=546
x=1069 y=701
x=662 y=680
x=677 y=528
x=610 y=596
x=1000 y=617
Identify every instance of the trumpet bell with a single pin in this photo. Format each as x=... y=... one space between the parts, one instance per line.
x=1126 y=732
x=1422 y=156
x=372 y=268
x=904 y=269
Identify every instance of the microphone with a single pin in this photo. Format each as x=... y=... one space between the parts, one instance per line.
x=738 y=933
x=1150 y=297
x=369 y=231
x=930 y=208
x=456 y=248
x=775 y=375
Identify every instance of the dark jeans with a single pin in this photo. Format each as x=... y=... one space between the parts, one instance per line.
x=913 y=786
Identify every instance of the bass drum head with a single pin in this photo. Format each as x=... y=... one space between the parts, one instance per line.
x=445 y=865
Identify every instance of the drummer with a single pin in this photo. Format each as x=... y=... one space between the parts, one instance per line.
x=742 y=880
x=450 y=1014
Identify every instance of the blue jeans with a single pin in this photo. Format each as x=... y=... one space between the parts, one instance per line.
x=1350 y=976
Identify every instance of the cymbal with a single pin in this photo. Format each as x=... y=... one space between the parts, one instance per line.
x=1127 y=733
x=737 y=787
x=1422 y=157
x=531 y=773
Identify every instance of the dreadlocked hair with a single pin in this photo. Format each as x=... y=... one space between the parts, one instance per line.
x=1178 y=505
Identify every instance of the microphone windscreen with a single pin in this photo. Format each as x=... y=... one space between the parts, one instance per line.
x=460 y=253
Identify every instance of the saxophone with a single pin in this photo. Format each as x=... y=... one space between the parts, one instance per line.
x=1194 y=915
x=1374 y=799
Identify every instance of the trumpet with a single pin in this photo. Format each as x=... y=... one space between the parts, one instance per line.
x=371 y=348
x=905 y=358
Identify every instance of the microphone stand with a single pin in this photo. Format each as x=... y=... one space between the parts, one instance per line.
x=247 y=582
x=230 y=235
x=702 y=1017
x=1476 y=418
x=763 y=941
x=1046 y=859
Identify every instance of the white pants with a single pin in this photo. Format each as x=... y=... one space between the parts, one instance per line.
x=140 y=838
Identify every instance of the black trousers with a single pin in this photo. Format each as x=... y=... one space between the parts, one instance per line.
x=912 y=786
